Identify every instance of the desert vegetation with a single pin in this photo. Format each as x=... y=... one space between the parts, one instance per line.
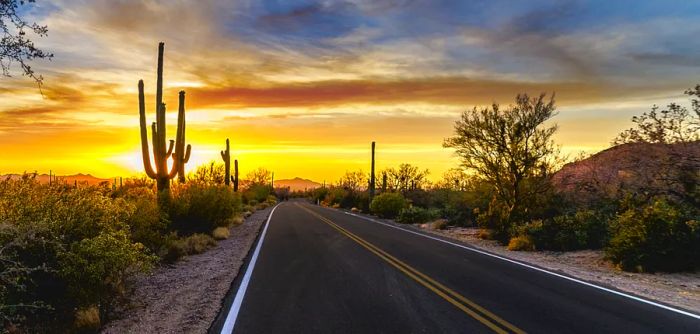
x=638 y=201
x=69 y=252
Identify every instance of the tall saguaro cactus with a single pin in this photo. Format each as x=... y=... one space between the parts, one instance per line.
x=372 y=181
x=226 y=155
x=235 y=175
x=160 y=153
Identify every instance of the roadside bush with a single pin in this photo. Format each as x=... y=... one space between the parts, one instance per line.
x=521 y=243
x=586 y=229
x=194 y=244
x=256 y=193
x=220 y=233
x=496 y=218
x=417 y=215
x=656 y=237
x=388 y=205
x=63 y=248
x=200 y=208
x=147 y=223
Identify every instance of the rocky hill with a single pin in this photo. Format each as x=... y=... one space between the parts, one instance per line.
x=634 y=167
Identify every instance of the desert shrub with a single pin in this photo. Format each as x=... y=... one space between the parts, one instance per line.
x=521 y=243
x=146 y=221
x=586 y=229
x=439 y=224
x=388 y=205
x=194 y=244
x=496 y=218
x=459 y=207
x=220 y=233
x=200 y=208
x=256 y=193
x=656 y=237
x=87 y=320
x=97 y=268
x=417 y=215
x=68 y=248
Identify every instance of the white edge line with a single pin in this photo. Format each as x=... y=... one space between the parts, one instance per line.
x=646 y=301
x=238 y=300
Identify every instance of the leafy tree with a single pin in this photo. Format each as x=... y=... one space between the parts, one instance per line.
x=674 y=171
x=353 y=181
x=512 y=150
x=406 y=177
x=260 y=176
x=675 y=124
x=15 y=46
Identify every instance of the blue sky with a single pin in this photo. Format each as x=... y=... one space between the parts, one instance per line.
x=280 y=74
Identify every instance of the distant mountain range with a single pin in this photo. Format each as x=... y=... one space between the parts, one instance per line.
x=80 y=178
x=297 y=184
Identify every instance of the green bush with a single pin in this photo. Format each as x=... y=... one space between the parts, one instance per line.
x=200 y=208
x=417 y=215
x=256 y=193
x=656 y=237
x=496 y=218
x=388 y=205
x=194 y=244
x=66 y=248
x=586 y=229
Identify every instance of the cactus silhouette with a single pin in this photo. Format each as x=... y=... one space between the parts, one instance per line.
x=226 y=155
x=235 y=176
x=160 y=154
x=372 y=181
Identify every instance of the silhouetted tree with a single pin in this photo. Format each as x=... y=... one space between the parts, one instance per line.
x=406 y=177
x=15 y=46
x=511 y=149
x=676 y=124
x=673 y=171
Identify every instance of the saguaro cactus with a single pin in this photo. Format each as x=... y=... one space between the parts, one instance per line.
x=383 y=182
x=226 y=155
x=371 y=177
x=160 y=153
x=235 y=176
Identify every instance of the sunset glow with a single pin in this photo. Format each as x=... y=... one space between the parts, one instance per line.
x=303 y=87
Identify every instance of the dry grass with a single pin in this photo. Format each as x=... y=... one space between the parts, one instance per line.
x=87 y=319
x=220 y=233
x=521 y=243
x=485 y=234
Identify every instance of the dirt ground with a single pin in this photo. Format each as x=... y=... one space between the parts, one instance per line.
x=187 y=296
x=678 y=289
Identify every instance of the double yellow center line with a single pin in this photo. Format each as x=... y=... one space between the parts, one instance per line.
x=477 y=312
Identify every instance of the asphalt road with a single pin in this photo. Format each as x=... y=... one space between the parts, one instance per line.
x=320 y=270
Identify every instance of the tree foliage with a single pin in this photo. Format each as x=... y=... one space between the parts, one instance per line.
x=15 y=45
x=509 y=148
x=675 y=124
x=406 y=177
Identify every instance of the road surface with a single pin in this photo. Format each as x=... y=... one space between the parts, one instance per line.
x=319 y=270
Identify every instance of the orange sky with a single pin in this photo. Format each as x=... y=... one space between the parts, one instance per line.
x=304 y=95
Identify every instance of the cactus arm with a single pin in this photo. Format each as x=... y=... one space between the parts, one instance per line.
x=223 y=156
x=154 y=139
x=144 y=134
x=187 y=154
x=170 y=149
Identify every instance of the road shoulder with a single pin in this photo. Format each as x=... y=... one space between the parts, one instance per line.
x=187 y=296
x=681 y=290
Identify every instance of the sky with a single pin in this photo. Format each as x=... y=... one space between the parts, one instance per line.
x=303 y=87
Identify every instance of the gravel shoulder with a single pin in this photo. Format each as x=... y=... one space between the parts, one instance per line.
x=187 y=296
